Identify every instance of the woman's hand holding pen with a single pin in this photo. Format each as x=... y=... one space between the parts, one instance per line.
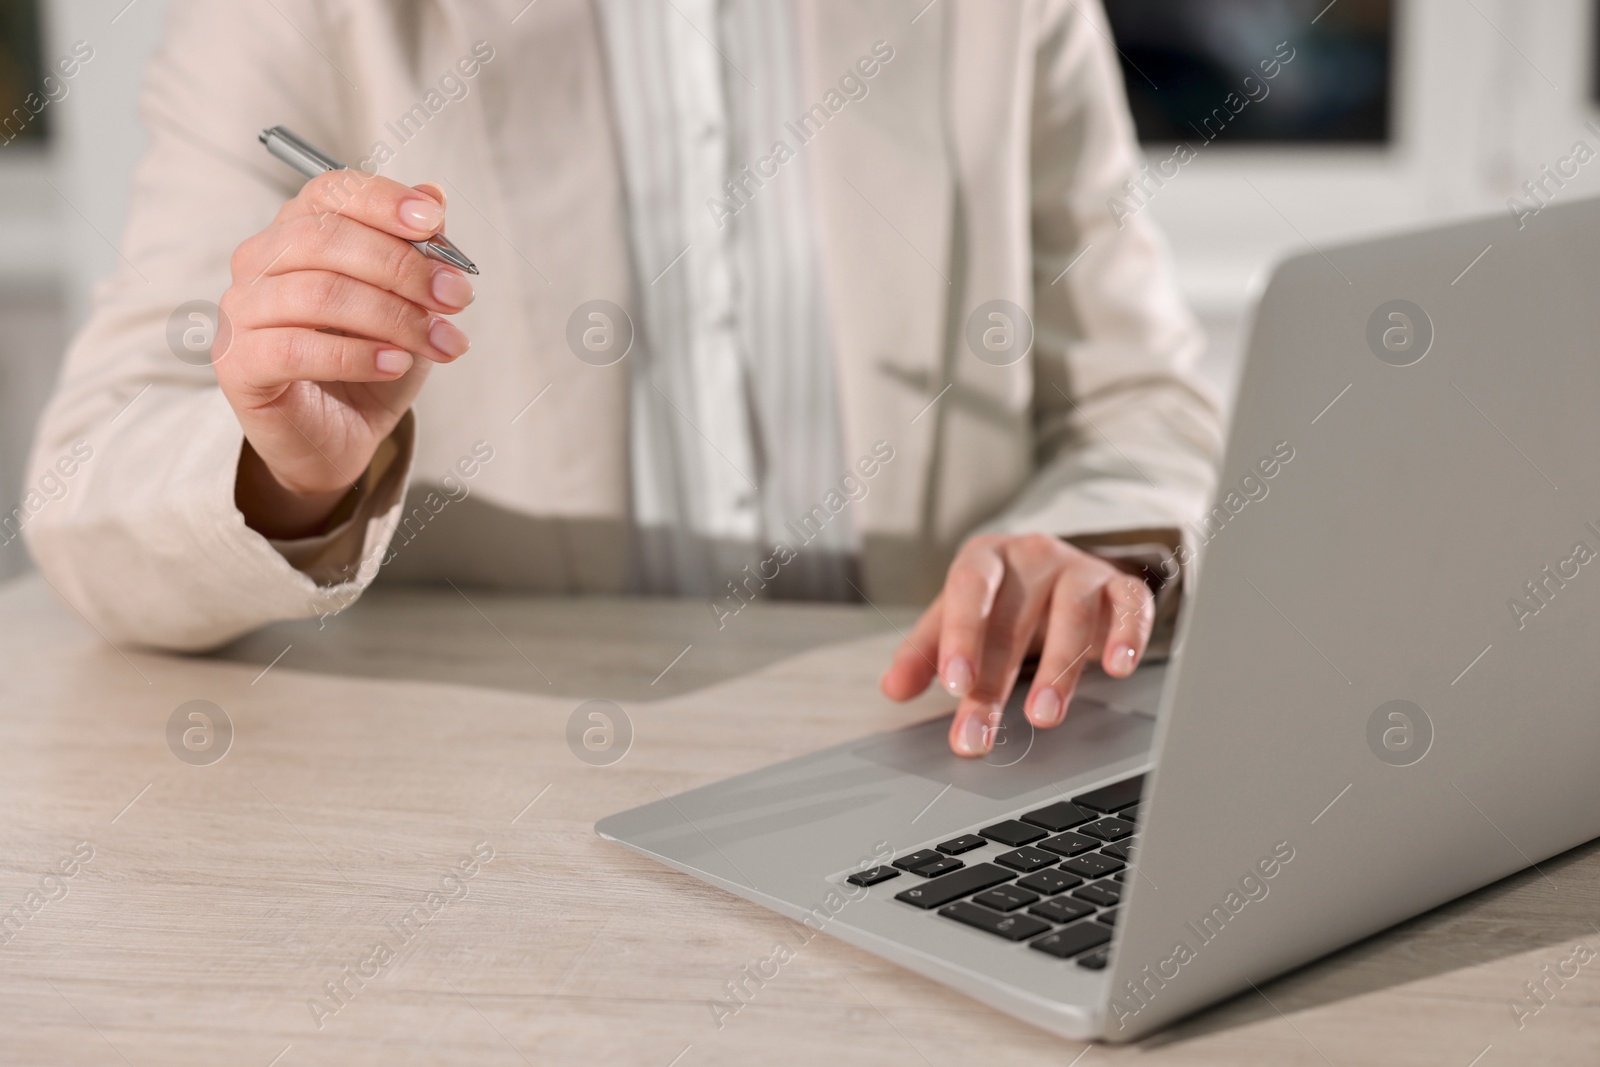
x=332 y=321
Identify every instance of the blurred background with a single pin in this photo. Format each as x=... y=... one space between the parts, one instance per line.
x=1382 y=114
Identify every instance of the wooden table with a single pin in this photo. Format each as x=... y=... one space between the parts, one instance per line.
x=420 y=730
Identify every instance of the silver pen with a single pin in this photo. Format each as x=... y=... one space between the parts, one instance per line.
x=312 y=161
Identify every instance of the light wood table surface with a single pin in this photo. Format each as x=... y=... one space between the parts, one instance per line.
x=372 y=755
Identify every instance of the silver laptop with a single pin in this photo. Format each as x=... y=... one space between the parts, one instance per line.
x=1387 y=692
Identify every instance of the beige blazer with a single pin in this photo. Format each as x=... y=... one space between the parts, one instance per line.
x=978 y=167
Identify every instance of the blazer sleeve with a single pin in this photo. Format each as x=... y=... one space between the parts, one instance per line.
x=146 y=542
x=1127 y=434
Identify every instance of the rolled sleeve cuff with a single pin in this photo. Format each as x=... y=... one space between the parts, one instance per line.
x=352 y=549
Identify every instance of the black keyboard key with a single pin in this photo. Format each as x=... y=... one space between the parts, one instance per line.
x=942 y=891
x=943 y=865
x=1131 y=814
x=1120 y=850
x=1010 y=927
x=1113 y=797
x=1026 y=859
x=1109 y=916
x=1005 y=898
x=1061 y=909
x=1109 y=829
x=872 y=876
x=1013 y=833
x=1120 y=876
x=1096 y=960
x=1071 y=940
x=957 y=845
x=1050 y=882
x=1059 y=816
x=1098 y=895
x=1092 y=865
x=917 y=859
x=1069 y=844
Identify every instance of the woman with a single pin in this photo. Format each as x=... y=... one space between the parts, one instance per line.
x=820 y=299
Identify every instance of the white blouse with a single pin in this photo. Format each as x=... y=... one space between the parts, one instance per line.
x=735 y=422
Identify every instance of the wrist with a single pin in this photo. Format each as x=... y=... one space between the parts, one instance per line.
x=279 y=512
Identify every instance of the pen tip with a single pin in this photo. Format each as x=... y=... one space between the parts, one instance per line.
x=471 y=269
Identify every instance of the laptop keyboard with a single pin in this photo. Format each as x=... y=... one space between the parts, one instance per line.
x=1056 y=883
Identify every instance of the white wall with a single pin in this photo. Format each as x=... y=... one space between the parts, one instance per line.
x=98 y=136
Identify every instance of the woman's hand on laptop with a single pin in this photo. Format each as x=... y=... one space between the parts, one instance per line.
x=1004 y=597
x=327 y=334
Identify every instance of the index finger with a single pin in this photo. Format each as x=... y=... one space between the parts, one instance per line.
x=969 y=594
x=413 y=214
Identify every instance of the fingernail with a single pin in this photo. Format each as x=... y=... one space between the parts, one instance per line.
x=958 y=676
x=1046 y=707
x=1122 y=660
x=447 y=339
x=452 y=288
x=421 y=214
x=393 y=361
x=972 y=739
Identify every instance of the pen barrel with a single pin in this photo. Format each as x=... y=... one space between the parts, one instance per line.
x=299 y=154
x=311 y=161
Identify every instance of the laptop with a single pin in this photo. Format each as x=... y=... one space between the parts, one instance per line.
x=1385 y=693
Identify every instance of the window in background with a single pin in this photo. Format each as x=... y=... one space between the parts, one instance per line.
x=23 y=117
x=1185 y=63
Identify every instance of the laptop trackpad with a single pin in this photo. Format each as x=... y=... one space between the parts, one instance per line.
x=1023 y=759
